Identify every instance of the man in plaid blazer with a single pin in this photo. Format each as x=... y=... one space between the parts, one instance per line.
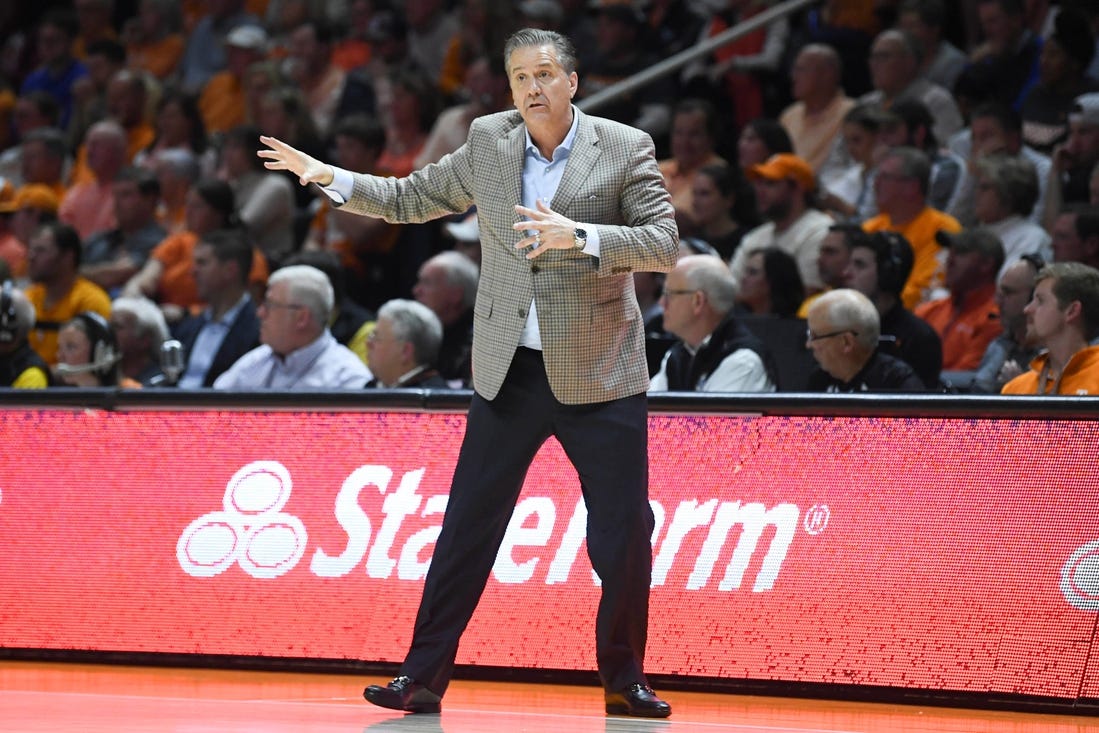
x=569 y=207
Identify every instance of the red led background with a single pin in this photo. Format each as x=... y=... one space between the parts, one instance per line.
x=942 y=554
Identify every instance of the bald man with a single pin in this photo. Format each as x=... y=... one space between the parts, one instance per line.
x=815 y=119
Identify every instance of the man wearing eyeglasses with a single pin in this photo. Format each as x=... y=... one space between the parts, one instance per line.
x=715 y=352
x=297 y=351
x=843 y=332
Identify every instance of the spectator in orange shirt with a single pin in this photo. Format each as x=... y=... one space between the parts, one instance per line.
x=94 y=24
x=32 y=206
x=222 y=100
x=1063 y=317
x=694 y=131
x=409 y=117
x=154 y=43
x=168 y=276
x=43 y=157
x=901 y=185
x=968 y=319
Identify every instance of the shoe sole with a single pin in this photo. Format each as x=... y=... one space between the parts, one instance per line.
x=412 y=707
x=615 y=709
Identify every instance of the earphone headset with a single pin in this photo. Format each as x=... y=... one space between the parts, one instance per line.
x=9 y=320
x=104 y=350
x=894 y=255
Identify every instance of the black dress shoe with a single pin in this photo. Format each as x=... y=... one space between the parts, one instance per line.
x=404 y=693
x=639 y=701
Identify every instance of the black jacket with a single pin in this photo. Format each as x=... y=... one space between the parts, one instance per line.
x=19 y=361
x=883 y=373
x=685 y=370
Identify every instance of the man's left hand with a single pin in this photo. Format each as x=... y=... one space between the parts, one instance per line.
x=551 y=230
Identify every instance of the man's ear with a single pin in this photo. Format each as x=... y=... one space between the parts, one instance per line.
x=1073 y=311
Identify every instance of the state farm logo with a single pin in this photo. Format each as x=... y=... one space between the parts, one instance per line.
x=1080 y=577
x=702 y=543
x=252 y=530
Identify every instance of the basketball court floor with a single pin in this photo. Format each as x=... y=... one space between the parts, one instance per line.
x=39 y=697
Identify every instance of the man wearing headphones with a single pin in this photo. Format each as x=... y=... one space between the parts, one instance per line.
x=879 y=266
x=20 y=366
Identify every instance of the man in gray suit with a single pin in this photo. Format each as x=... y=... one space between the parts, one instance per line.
x=569 y=206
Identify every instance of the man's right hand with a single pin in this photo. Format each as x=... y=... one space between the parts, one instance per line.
x=281 y=157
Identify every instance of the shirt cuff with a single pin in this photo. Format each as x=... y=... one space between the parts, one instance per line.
x=342 y=186
x=592 y=247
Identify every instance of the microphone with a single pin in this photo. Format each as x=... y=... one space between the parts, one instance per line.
x=104 y=358
x=67 y=369
x=171 y=360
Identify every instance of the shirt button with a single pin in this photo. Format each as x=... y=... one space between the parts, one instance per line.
x=535 y=269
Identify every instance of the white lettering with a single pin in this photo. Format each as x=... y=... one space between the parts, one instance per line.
x=506 y=569
x=398 y=505
x=269 y=543
x=753 y=518
x=410 y=566
x=570 y=546
x=688 y=516
x=354 y=521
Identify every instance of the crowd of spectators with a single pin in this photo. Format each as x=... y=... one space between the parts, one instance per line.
x=904 y=181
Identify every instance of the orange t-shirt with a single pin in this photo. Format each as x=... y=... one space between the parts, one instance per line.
x=1081 y=376
x=177 y=283
x=222 y=102
x=927 y=268
x=159 y=58
x=967 y=331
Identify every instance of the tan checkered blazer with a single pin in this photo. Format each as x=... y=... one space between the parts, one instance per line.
x=592 y=336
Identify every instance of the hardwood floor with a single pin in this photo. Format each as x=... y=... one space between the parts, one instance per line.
x=37 y=697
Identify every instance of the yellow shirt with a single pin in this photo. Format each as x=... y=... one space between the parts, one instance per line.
x=84 y=296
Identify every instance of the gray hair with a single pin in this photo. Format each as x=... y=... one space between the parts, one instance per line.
x=566 y=52
x=180 y=161
x=712 y=276
x=845 y=309
x=1015 y=181
x=461 y=272
x=148 y=317
x=308 y=287
x=415 y=323
x=914 y=164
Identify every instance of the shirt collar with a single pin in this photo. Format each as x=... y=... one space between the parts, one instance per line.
x=566 y=145
x=300 y=359
x=231 y=314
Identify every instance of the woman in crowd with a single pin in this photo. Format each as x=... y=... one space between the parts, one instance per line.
x=723 y=207
x=771 y=285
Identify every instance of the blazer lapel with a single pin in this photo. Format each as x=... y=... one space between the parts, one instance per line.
x=582 y=160
x=510 y=153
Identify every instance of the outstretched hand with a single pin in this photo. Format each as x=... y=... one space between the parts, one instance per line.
x=281 y=157
x=551 y=230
